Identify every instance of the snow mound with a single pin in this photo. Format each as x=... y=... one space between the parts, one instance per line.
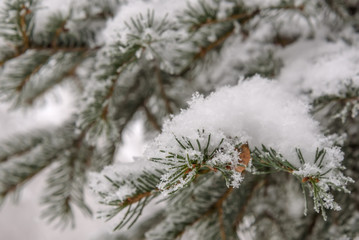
x=257 y=111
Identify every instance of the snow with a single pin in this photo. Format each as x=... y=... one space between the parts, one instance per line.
x=261 y=3
x=257 y=111
x=320 y=68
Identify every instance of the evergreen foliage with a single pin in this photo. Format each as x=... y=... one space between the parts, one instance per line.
x=234 y=163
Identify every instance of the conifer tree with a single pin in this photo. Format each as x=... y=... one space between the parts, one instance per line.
x=250 y=107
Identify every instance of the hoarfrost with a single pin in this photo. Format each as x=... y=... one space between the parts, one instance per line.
x=116 y=182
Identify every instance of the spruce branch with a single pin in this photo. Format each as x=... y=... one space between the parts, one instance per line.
x=13 y=81
x=58 y=24
x=65 y=187
x=195 y=204
x=142 y=188
x=94 y=118
x=151 y=118
x=20 y=145
x=313 y=176
x=22 y=167
x=103 y=155
x=241 y=17
x=39 y=76
x=66 y=182
x=195 y=159
x=18 y=27
x=204 y=20
x=67 y=69
x=343 y=105
x=204 y=50
x=216 y=208
x=12 y=180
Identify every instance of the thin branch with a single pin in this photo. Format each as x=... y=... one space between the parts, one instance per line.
x=52 y=50
x=58 y=32
x=132 y=113
x=23 y=181
x=151 y=118
x=69 y=73
x=309 y=229
x=210 y=210
x=269 y=216
x=27 y=78
x=65 y=49
x=17 y=154
x=162 y=90
x=350 y=99
x=113 y=86
x=204 y=50
x=244 y=206
x=219 y=41
x=219 y=206
x=23 y=26
x=240 y=16
x=135 y=199
x=244 y=17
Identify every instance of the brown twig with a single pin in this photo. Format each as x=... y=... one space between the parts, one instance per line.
x=151 y=117
x=58 y=32
x=53 y=50
x=310 y=227
x=23 y=26
x=269 y=216
x=350 y=99
x=204 y=50
x=23 y=181
x=70 y=72
x=162 y=90
x=18 y=154
x=27 y=78
x=240 y=16
x=213 y=208
x=244 y=206
x=219 y=206
x=113 y=86
x=244 y=17
x=132 y=200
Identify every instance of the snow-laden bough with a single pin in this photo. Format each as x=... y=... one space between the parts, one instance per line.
x=257 y=116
